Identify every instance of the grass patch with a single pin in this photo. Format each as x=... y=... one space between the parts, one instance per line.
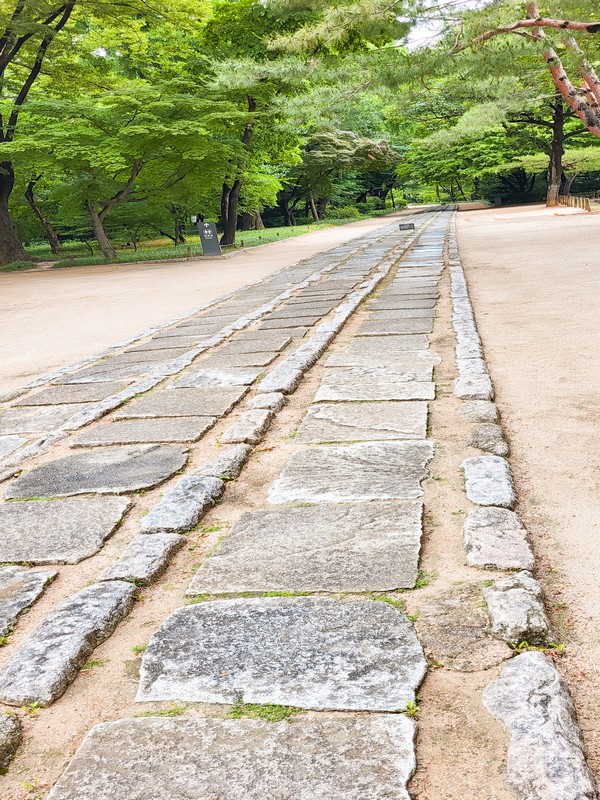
x=268 y=713
x=93 y=663
x=19 y=266
x=172 y=711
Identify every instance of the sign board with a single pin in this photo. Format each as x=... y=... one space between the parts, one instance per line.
x=209 y=239
x=406 y=226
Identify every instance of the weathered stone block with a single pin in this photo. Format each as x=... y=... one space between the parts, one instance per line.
x=488 y=481
x=516 y=608
x=184 y=505
x=140 y=431
x=145 y=558
x=350 y=422
x=184 y=403
x=19 y=589
x=495 y=538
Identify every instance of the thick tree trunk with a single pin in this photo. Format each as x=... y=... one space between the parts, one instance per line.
x=288 y=216
x=10 y=245
x=51 y=234
x=313 y=209
x=557 y=151
x=108 y=250
x=569 y=184
x=251 y=221
x=229 y=218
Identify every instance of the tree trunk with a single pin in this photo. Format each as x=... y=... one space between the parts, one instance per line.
x=569 y=183
x=313 y=209
x=557 y=151
x=251 y=221
x=10 y=245
x=288 y=217
x=229 y=218
x=51 y=234
x=108 y=251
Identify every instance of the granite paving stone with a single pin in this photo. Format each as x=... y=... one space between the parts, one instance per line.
x=370 y=547
x=375 y=383
x=37 y=419
x=258 y=342
x=107 y=470
x=145 y=558
x=11 y=735
x=149 y=356
x=488 y=436
x=184 y=505
x=495 y=538
x=50 y=658
x=9 y=443
x=480 y=411
x=295 y=311
x=357 y=758
x=290 y=322
x=546 y=759
x=488 y=481
x=306 y=652
x=381 y=346
x=233 y=376
x=355 y=472
x=19 y=589
x=238 y=360
x=106 y=371
x=58 y=531
x=351 y=422
x=249 y=428
x=228 y=464
x=516 y=608
x=474 y=387
x=139 y=431
x=378 y=326
x=78 y=393
x=271 y=400
x=393 y=314
x=417 y=362
x=207 y=402
x=159 y=344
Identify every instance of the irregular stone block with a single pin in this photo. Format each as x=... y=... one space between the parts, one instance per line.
x=546 y=759
x=356 y=472
x=301 y=651
x=274 y=401
x=50 y=658
x=374 y=383
x=78 y=393
x=474 y=387
x=234 y=376
x=480 y=411
x=36 y=420
x=184 y=505
x=10 y=738
x=243 y=759
x=184 y=403
x=8 y=444
x=378 y=326
x=516 y=608
x=373 y=547
x=106 y=470
x=58 y=531
x=495 y=538
x=488 y=481
x=249 y=428
x=350 y=422
x=145 y=558
x=19 y=589
x=139 y=431
x=228 y=464
x=488 y=436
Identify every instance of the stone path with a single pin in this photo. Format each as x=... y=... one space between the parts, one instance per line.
x=311 y=609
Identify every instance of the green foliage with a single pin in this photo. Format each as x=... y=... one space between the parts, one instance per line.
x=270 y=713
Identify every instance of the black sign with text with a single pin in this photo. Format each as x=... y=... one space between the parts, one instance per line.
x=209 y=239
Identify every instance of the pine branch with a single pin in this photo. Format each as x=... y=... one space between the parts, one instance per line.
x=537 y=22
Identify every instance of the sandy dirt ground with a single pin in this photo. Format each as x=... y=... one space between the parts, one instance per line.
x=55 y=317
x=534 y=277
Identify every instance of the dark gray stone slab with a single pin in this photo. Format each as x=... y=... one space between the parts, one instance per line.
x=375 y=383
x=184 y=403
x=495 y=538
x=138 y=431
x=10 y=738
x=10 y=443
x=149 y=356
x=488 y=481
x=205 y=378
x=238 y=360
x=376 y=326
x=228 y=464
x=488 y=436
x=145 y=558
x=546 y=758
x=249 y=428
x=79 y=393
x=351 y=422
x=37 y=420
x=107 y=470
x=257 y=342
x=370 y=547
x=516 y=608
x=19 y=589
x=50 y=658
x=184 y=505
x=306 y=309
x=356 y=472
x=358 y=758
x=58 y=531
x=301 y=651
x=290 y=322
x=380 y=346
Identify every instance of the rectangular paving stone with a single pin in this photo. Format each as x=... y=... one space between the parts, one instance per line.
x=357 y=758
x=37 y=419
x=149 y=356
x=184 y=505
x=289 y=322
x=225 y=376
x=370 y=547
x=356 y=472
x=145 y=558
x=418 y=362
x=19 y=589
x=50 y=658
x=488 y=481
x=307 y=652
x=381 y=346
x=10 y=443
x=352 y=422
x=139 y=431
x=58 y=531
x=158 y=344
x=414 y=313
x=249 y=428
x=257 y=342
x=495 y=538
x=79 y=393
x=183 y=403
x=308 y=310
x=374 y=383
x=107 y=371
x=238 y=360
x=378 y=326
x=228 y=464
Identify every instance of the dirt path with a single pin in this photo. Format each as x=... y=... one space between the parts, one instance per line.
x=534 y=277
x=52 y=318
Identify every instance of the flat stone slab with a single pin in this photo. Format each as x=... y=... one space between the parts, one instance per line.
x=489 y=436
x=480 y=411
x=228 y=464
x=488 y=481
x=268 y=400
x=516 y=608
x=302 y=651
x=371 y=547
x=36 y=420
x=235 y=376
x=279 y=323
x=546 y=758
x=19 y=589
x=78 y=393
x=258 y=342
x=108 y=470
x=359 y=758
x=139 y=431
x=395 y=313
x=10 y=738
x=249 y=428
x=50 y=658
x=355 y=472
x=149 y=356
x=377 y=326
x=375 y=383
x=380 y=346
x=145 y=558
x=474 y=387
x=106 y=371
x=58 y=531
x=183 y=403
x=495 y=538
x=351 y=422
x=417 y=362
x=10 y=443
x=239 y=360
x=184 y=505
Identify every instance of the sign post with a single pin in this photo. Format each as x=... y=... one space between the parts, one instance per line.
x=406 y=226
x=209 y=237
